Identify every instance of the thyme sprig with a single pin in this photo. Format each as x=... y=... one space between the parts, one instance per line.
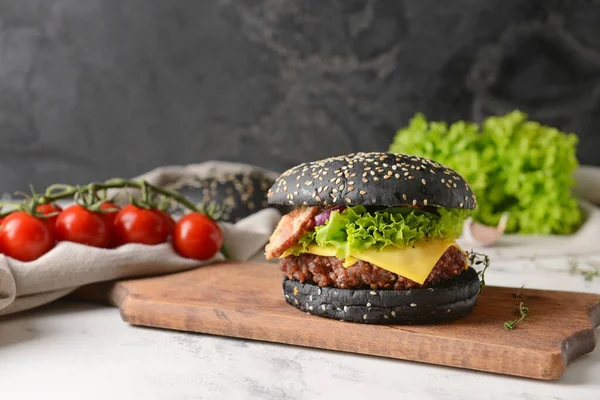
x=510 y=325
x=479 y=259
x=522 y=309
x=589 y=271
x=589 y=276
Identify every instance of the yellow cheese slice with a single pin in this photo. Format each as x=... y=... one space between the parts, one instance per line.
x=412 y=262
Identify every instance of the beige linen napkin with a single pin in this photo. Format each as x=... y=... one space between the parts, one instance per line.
x=25 y=285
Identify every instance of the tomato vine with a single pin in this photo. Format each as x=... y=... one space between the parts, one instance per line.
x=94 y=197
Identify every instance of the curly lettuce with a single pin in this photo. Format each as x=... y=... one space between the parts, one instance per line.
x=513 y=165
x=356 y=229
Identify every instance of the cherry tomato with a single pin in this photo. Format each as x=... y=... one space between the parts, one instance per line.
x=197 y=236
x=46 y=209
x=25 y=237
x=110 y=215
x=110 y=219
x=80 y=225
x=168 y=220
x=138 y=225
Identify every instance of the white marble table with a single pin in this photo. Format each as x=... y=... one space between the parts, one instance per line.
x=80 y=351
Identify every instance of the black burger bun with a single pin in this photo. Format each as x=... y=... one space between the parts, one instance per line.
x=229 y=191
x=372 y=179
x=447 y=301
x=231 y=196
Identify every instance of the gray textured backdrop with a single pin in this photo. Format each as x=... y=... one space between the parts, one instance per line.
x=91 y=89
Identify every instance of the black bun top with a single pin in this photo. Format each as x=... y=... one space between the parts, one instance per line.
x=382 y=179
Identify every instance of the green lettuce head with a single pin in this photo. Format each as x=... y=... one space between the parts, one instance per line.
x=513 y=164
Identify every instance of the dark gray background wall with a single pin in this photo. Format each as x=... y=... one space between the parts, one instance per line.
x=91 y=89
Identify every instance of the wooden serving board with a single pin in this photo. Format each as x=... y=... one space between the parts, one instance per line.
x=244 y=300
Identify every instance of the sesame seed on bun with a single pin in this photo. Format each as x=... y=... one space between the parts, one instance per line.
x=375 y=178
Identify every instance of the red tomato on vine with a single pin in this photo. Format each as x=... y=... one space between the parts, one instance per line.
x=168 y=220
x=46 y=209
x=25 y=237
x=197 y=236
x=110 y=215
x=80 y=225
x=139 y=225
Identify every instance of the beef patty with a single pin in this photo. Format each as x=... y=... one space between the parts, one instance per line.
x=330 y=271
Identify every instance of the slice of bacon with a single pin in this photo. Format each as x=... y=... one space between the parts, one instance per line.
x=290 y=228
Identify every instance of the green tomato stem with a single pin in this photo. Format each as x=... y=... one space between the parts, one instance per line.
x=147 y=189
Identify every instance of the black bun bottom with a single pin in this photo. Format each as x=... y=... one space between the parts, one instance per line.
x=446 y=301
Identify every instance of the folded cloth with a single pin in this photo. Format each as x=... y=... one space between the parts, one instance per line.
x=25 y=285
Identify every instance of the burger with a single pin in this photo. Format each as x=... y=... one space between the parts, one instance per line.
x=371 y=238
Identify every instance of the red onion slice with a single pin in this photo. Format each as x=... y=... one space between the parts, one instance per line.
x=323 y=217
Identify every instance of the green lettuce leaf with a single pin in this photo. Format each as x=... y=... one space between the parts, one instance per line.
x=356 y=229
x=512 y=164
